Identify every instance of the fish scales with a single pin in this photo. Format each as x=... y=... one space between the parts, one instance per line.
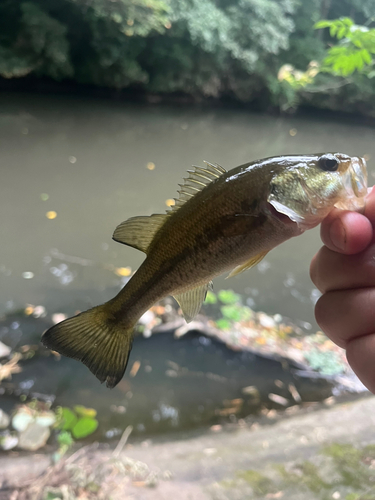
x=222 y=221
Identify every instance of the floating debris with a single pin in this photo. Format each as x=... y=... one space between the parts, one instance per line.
x=134 y=369
x=151 y=165
x=280 y=400
x=4 y=350
x=293 y=391
x=51 y=215
x=7 y=369
x=57 y=317
x=44 y=196
x=39 y=312
x=123 y=271
x=4 y=419
x=293 y=132
x=72 y=159
x=28 y=275
x=251 y=390
x=170 y=202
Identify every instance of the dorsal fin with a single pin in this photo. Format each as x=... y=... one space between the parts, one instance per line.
x=138 y=232
x=198 y=179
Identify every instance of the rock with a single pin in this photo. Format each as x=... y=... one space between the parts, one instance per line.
x=22 y=419
x=4 y=420
x=34 y=437
x=46 y=419
x=4 y=350
x=8 y=441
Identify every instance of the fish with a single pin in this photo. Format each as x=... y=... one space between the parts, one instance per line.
x=222 y=221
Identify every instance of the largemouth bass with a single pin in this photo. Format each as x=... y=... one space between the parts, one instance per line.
x=222 y=221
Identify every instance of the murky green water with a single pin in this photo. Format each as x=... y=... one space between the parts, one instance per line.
x=90 y=157
x=74 y=168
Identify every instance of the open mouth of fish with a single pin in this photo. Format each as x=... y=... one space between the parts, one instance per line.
x=354 y=182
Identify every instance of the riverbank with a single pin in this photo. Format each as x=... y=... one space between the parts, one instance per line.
x=321 y=454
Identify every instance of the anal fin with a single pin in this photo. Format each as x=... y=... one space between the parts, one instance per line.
x=248 y=264
x=192 y=300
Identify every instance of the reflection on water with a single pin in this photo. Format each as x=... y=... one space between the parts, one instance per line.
x=72 y=169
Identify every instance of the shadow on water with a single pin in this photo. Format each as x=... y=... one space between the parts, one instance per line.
x=178 y=383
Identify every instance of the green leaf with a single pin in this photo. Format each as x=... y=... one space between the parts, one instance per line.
x=231 y=312
x=346 y=20
x=322 y=24
x=366 y=56
x=228 y=297
x=210 y=298
x=223 y=324
x=84 y=427
x=333 y=30
x=341 y=33
x=69 y=419
x=64 y=438
x=82 y=411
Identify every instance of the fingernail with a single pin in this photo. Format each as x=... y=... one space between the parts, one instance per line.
x=338 y=234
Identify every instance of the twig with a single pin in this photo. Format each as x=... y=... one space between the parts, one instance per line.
x=122 y=442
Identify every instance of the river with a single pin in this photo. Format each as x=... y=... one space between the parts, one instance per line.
x=86 y=162
x=73 y=168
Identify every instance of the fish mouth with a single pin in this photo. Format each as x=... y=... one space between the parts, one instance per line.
x=354 y=182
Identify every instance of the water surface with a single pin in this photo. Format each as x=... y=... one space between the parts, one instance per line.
x=90 y=157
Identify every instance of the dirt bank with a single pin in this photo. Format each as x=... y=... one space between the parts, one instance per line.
x=303 y=456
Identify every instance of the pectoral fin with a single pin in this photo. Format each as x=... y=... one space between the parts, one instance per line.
x=247 y=265
x=192 y=300
x=138 y=232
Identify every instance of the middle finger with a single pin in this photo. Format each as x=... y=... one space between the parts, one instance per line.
x=333 y=271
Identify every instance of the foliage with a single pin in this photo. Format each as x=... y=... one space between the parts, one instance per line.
x=210 y=298
x=81 y=422
x=231 y=308
x=228 y=297
x=40 y=46
x=354 y=52
x=209 y=48
x=327 y=363
x=74 y=424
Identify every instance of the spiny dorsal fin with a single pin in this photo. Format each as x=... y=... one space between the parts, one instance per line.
x=198 y=179
x=247 y=265
x=138 y=232
x=192 y=300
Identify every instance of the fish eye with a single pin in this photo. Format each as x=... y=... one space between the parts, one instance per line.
x=329 y=163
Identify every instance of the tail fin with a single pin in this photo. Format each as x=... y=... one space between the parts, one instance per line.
x=96 y=340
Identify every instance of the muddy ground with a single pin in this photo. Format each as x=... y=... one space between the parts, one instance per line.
x=316 y=454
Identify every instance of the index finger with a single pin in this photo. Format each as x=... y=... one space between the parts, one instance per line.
x=349 y=232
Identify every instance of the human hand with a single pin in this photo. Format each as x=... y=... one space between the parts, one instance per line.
x=344 y=271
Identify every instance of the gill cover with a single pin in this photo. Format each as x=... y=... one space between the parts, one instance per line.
x=307 y=190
